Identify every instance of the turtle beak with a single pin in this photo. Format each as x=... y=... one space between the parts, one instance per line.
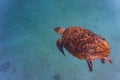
x=57 y=29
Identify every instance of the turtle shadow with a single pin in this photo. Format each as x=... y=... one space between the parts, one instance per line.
x=5 y=66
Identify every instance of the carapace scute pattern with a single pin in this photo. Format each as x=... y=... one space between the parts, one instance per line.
x=83 y=44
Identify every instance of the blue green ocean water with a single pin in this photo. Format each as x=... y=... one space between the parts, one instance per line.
x=28 y=41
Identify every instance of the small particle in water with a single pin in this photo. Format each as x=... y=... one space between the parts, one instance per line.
x=57 y=77
x=52 y=48
x=14 y=69
x=94 y=26
x=96 y=20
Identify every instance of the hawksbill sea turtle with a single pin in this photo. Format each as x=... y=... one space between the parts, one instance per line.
x=83 y=44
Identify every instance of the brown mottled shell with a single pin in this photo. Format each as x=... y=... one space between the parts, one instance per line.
x=85 y=44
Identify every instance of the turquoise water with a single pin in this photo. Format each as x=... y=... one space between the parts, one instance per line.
x=28 y=41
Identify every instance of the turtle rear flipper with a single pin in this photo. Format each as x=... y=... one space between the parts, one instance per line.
x=108 y=59
x=60 y=46
x=102 y=60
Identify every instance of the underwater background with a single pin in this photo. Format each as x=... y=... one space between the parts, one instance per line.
x=28 y=41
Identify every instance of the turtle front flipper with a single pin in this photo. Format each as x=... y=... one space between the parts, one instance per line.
x=89 y=62
x=60 y=46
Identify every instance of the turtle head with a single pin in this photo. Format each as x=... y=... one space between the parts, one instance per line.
x=59 y=30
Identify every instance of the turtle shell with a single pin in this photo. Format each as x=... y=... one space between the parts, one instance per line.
x=84 y=44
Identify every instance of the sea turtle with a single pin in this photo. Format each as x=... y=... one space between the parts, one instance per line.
x=83 y=44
